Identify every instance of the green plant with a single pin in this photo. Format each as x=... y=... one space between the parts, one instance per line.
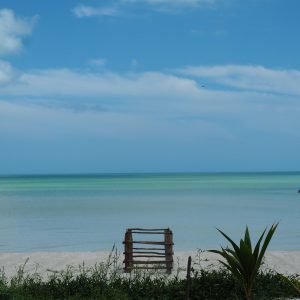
x=293 y=281
x=243 y=261
x=89 y=283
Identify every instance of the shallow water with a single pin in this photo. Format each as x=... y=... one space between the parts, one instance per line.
x=89 y=213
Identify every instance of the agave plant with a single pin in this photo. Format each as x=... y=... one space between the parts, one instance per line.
x=243 y=261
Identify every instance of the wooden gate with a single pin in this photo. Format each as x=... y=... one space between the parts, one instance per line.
x=150 y=254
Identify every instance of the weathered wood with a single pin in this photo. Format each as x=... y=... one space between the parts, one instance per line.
x=150 y=243
x=128 y=250
x=169 y=249
x=188 y=279
x=147 y=262
x=144 y=259
x=157 y=256
x=147 y=232
x=159 y=249
x=148 y=229
x=148 y=268
x=147 y=252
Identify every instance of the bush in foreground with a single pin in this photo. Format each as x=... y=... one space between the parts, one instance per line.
x=99 y=283
x=243 y=260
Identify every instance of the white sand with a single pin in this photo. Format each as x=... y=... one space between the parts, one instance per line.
x=287 y=262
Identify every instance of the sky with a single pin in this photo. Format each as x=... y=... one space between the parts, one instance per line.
x=123 y=86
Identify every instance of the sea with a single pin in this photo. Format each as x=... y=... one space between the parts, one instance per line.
x=62 y=213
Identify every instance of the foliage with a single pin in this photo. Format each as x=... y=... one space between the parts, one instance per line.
x=206 y=285
x=97 y=283
x=243 y=261
x=293 y=281
x=106 y=281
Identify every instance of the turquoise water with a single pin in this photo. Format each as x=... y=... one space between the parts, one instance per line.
x=91 y=213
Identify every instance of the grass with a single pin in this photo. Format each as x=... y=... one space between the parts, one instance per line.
x=104 y=281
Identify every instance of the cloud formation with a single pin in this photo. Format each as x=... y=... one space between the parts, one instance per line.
x=184 y=81
x=164 y=94
x=13 y=30
x=160 y=111
x=83 y=11
x=7 y=73
x=119 y=7
x=250 y=78
x=99 y=85
x=182 y=3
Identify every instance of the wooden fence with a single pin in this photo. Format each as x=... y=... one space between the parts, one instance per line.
x=150 y=254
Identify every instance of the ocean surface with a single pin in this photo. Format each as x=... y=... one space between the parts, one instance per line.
x=92 y=212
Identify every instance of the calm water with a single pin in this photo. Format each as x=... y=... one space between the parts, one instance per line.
x=90 y=213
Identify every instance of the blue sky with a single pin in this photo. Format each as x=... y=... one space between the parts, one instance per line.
x=149 y=86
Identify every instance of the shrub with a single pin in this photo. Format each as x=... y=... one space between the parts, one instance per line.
x=243 y=261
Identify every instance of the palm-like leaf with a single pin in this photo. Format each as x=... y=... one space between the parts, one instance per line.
x=293 y=282
x=243 y=261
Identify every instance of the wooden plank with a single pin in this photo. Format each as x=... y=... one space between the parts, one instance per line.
x=149 y=243
x=139 y=248
x=147 y=252
x=148 y=229
x=149 y=262
x=148 y=268
x=147 y=232
x=157 y=256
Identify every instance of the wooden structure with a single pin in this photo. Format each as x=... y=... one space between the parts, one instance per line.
x=149 y=254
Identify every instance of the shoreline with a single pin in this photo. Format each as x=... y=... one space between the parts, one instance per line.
x=44 y=263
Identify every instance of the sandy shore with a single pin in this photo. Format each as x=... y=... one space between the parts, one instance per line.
x=287 y=262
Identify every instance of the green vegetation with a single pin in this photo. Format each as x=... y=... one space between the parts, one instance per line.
x=293 y=281
x=243 y=261
x=90 y=284
x=104 y=281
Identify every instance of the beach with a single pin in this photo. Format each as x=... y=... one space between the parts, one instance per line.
x=147 y=142
x=57 y=221
x=45 y=263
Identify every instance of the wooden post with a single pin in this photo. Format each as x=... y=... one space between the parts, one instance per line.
x=128 y=251
x=188 y=279
x=169 y=250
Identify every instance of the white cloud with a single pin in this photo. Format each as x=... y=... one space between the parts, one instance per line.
x=13 y=30
x=7 y=73
x=182 y=3
x=92 y=84
x=166 y=6
x=83 y=11
x=51 y=123
x=151 y=110
x=250 y=78
x=163 y=98
x=67 y=82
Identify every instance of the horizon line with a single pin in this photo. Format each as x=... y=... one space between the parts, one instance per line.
x=76 y=174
